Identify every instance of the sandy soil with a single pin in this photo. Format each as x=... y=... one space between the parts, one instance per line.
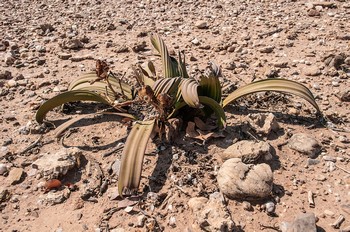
x=251 y=40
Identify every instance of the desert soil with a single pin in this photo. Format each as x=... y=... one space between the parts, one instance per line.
x=47 y=44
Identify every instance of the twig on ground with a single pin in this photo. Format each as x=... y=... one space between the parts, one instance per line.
x=343 y=169
x=32 y=145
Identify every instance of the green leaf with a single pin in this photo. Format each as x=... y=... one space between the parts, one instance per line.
x=210 y=86
x=170 y=66
x=69 y=96
x=216 y=107
x=278 y=85
x=132 y=158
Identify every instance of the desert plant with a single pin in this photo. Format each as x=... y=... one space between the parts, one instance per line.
x=169 y=94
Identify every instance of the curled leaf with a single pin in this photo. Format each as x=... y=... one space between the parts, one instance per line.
x=278 y=85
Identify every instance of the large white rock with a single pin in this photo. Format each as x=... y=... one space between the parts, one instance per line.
x=239 y=180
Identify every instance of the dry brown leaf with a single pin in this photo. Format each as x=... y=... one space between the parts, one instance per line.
x=202 y=125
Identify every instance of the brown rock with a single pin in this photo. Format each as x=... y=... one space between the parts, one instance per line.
x=15 y=175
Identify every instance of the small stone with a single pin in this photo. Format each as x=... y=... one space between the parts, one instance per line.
x=141 y=220
x=195 y=41
x=116 y=166
x=64 y=56
x=263 y=123
x=329 y=158
x=5 y=75
x=9 y=59
x=303 y=223
x=312 y=71
x=172 y=221
x=41 y=61
x=321 y=178
x=247 y=206
x=3 y=169
x=239 y=180
x=305 y=144
x=12 y=83
x=312 y=161
x=329 y=213
x=4 y=194
x=313 y=13
x=15 y=175
x=270 y=207
x=267 y=49
x=248 y=151
x=201 y=24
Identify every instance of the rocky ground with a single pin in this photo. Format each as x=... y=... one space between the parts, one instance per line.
x=301 y=172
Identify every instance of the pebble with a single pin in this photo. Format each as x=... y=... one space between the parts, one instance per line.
x=329 y=158
x=313 y=13
x=321 y=178
x=201 y=24
x=12 y=83
x=195 y=41
x=312 y=161
x=312 y=71
x=3 y=169
x=267 y=49
x=270 y=207
x=172 y=221
x=5 y=75
x=15 y=175
x=247 y=206
x=141 y=220
x=329 y=213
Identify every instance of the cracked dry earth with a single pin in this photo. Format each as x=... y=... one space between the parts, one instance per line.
x=46 y=44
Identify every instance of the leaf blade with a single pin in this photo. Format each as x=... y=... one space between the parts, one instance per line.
x=132 y=158
x=278 y=85
x=69 y=96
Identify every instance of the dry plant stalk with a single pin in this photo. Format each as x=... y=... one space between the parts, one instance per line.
x=310 y=198
x=338 y=222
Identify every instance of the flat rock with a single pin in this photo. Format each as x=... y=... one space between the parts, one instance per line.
x=263 y=123
x=267 y=49
x=210 y=214
x=239 y=180
x=15 y=175
x=54 y=198
x=64 y=56
x=52 y=166
x=248 y=151
x=305 y=144
x=312 y=71
x=305 y=222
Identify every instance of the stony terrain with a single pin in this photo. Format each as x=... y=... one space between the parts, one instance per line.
x=305 y=160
